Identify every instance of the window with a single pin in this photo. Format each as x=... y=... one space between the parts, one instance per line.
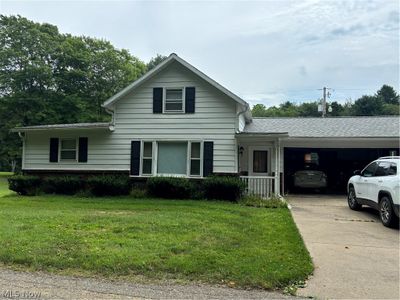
x=172 y=158
x=260 y=161
x=68 y=149
x=383 y=169
x=173 y=100
x=386 y=168
x=369 y=171
x=147 y=158
x=195 y=158
x=392 y=169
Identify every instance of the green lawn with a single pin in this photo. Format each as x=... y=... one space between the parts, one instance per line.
x=203 y=241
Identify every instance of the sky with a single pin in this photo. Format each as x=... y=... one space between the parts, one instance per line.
x=264 y=51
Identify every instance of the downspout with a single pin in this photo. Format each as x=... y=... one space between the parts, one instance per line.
x=247 y=108
x=112 y=124
x=276 y=181
x=22 y=136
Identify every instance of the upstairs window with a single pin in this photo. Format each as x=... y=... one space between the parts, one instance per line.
x=68 y=149
x=173 y=100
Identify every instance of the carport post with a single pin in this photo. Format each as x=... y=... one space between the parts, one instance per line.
x=277 y=162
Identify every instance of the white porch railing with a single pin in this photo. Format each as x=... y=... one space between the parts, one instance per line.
x=262 y=186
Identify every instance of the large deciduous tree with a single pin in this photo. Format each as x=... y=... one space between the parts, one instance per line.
x=50 y=77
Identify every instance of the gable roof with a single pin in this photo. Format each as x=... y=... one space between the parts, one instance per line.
x=331 y=127
x=173 y=57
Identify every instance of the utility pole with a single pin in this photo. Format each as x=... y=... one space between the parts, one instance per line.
x=325 y=94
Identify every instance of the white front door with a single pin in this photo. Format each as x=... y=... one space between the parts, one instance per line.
x=259 y=161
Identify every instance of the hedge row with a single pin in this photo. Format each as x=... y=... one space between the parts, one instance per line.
x=212 y=188
x=102 y=185
x=219 y=188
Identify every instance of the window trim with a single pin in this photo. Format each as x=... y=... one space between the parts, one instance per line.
x=251 y=150
x=60 y=150
x=154 y=166
x=165 y=111
x=189 y=159
x=142 y=158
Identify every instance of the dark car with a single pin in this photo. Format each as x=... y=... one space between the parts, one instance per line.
x=310 y=178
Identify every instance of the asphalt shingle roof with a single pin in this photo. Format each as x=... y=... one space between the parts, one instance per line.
x=382 y=126
x=63 y=126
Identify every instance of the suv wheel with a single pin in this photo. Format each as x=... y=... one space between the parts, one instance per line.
x=386 y=212
x=352 y=200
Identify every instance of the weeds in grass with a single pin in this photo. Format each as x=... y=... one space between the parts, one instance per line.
x=256 y=201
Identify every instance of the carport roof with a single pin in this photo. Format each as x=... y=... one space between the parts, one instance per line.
x=334 y=127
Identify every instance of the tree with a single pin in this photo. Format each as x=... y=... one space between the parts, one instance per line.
x=309 y=109
x=388 y=95
x=259 y=110
x=155 y=61
x=337 y=109
x=368 y=106
x=384 y=102
x=49 y=77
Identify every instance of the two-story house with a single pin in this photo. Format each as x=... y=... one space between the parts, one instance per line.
x=176 y=121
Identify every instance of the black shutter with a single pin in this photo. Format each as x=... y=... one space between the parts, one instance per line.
x=53 y=157
x=83 y=149
x=208 y=158
x=190 y=100
x=157 y=100
x=135 y=158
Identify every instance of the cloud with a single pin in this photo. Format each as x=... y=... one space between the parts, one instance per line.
x=268 y=51
x=342 y=31
x=273 y=99
x=303 y=71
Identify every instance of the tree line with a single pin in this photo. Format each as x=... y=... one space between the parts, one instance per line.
x=384 y=102
x=48 y=77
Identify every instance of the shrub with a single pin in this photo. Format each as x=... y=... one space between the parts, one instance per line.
x=109 y=185
x=24 y=184
x=67 y=185
x=223 y=188
x=138 y=193
x=170 y=187
x=257 y=201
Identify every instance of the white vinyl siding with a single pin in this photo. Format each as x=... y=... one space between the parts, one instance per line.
x=214 y=120
x=242 y=122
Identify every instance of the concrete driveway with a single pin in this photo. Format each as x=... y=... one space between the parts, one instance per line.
x=355 y=256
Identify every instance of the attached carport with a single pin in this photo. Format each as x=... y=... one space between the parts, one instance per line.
x=338 y=158
x=340 y=144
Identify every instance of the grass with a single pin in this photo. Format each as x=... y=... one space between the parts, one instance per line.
x=205 y=241
x=256 y=201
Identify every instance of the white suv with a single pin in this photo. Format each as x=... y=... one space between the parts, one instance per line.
x=377 y=186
